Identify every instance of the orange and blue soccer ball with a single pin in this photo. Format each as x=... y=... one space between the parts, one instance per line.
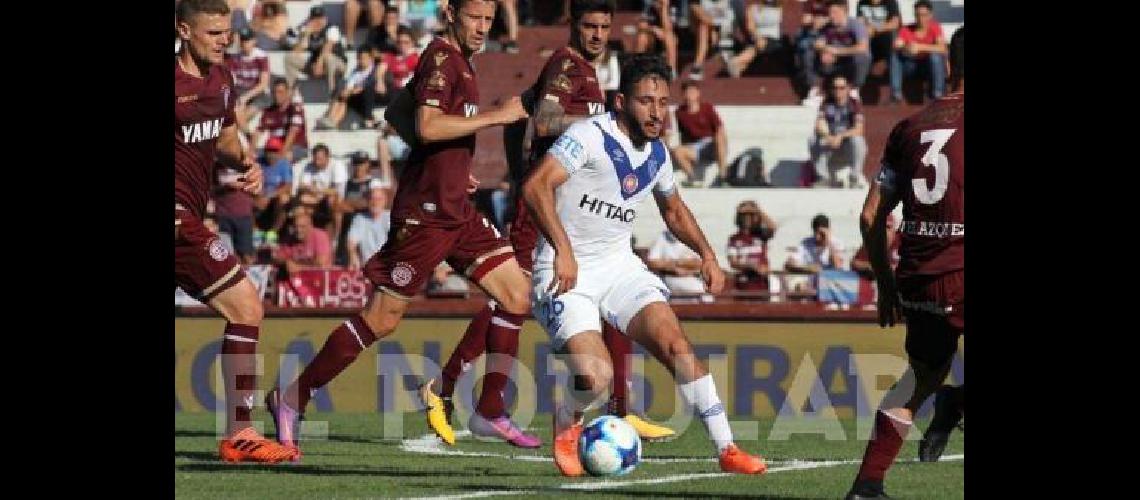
x=609 y=446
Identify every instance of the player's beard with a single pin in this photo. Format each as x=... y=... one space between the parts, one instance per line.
x=637 y=132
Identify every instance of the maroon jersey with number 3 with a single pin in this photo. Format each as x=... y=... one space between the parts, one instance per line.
x=924 y=164
x=202 y=108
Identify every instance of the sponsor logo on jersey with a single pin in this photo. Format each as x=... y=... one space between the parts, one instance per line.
x=202 y=131
x=402 y=274
x=436 y=81
x=186 y=98
x=596 y=108
x=440 y=56
x=429 y=207
x=470 y=110
x=934 y=229
x=562 y=82
x=607 y=209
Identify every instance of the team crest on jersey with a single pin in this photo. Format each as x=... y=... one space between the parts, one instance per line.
x=437 y=81
x=440 y=57
x=402 y=274
x=562 y=83
x=218 y=251
x=629 y=183
x=567 y=64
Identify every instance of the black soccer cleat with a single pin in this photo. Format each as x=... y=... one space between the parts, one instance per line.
x=866 y=490
x=947 y=415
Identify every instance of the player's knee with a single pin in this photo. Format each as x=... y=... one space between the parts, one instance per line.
x=516 y=301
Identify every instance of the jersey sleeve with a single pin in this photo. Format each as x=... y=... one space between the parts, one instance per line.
x=436 y=83
x=572 y=147
x=558 y=81
x=892 y=168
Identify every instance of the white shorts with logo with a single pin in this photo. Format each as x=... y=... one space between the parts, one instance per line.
x=616 y=291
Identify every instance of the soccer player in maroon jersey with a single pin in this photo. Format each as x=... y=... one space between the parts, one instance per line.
x=432 y=217
x=567 y=90
x=204 y=133
x=923 y=167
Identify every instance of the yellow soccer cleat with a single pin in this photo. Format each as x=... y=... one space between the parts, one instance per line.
x=648 y=430
x=438 y=414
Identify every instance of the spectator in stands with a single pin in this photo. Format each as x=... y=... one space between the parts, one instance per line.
x=758 y=32
x=271 y=23
x=323 y=174
x=748 y=248
x=678 y=265
x=422 y=16
x=882 y=20
x=395 y=69
x=703 y=139
x=353 y=9
x=355 y=198
x=383 y=37
x=655 y=29
x=920 y=49
x=317 y=50
x=510 y=10
x=275 y=170
x=369 y=229
x=360 y=91
x=306 y=247
x=861 y=261
x=811 y=27
x=233 y=209
x=713 y=20
x=390 y=148
x=842 y=48
x=284 y=119
x=250 y=69
x=817 y=252
x=839 y=129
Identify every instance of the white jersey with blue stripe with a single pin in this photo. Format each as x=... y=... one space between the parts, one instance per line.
x=608 y=180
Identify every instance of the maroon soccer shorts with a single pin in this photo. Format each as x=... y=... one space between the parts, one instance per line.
x=935 y=308
x=203 y=266
x=412 y=252
x=524 y=235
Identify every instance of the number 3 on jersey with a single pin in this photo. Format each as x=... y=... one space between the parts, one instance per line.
x=941 y=164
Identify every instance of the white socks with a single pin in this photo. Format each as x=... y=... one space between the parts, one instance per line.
x=701 y=394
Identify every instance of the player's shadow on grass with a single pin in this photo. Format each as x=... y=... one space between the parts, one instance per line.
x=213 y=465
x=335 y=437
x=611 y=492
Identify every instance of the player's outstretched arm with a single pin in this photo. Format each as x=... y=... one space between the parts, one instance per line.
x=680 y=221
x=433 y=125
x=550 y=119
x=881 y=200
x=539 y=195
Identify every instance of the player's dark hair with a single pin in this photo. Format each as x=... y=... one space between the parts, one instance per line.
x=924 y=3
x=321 y=147
x=279 y=81
x=958 y=55
x=579 y=8
x=639 y=66
x=689 y=83
x=841 y=3
x=188 y=8
x=404 y=30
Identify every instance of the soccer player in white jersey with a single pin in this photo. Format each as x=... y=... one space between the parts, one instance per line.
x=584 y=196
